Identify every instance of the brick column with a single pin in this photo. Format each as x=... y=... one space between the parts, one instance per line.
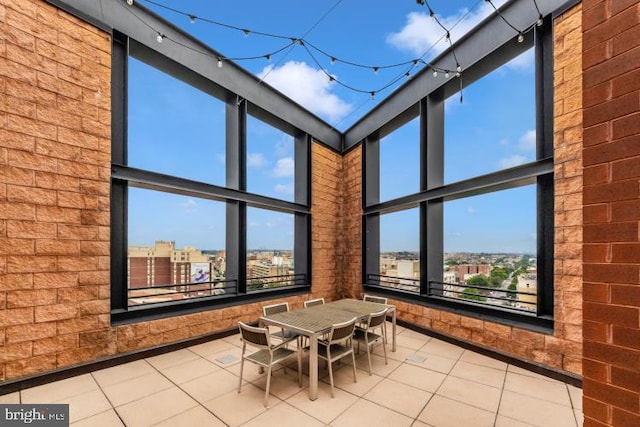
x=611 y=66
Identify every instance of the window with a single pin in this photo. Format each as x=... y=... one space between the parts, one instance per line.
x=400 y=161
x=270 y=160
x=476 y=219
x=191 y=226
x=495 y=127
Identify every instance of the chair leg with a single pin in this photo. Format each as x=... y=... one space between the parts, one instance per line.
x=330 y=371
x=241 y=369
x=384 y=347
x=369 y=357
x=299 y=341
x=266 y=392
x=353 y=359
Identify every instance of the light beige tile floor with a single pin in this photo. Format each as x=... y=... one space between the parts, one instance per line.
x=425 y=383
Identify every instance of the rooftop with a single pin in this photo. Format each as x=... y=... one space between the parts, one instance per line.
x=427 y=382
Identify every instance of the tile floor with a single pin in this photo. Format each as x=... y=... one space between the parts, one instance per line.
x=427 y=382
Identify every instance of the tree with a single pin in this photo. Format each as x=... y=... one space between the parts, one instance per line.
x=512 y=287
x=497 y=276
x=472 y=294
x=478 y=280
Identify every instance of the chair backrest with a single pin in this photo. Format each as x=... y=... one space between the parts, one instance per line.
x=258 y=337
x=341 y=331
x=371 y=298
x=312 y=302
x=377 y=319
x=275 y=308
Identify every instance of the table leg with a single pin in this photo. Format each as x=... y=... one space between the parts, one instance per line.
x=313 y=367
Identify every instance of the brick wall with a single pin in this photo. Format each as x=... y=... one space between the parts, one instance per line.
x=352 y=224
x=611 y=63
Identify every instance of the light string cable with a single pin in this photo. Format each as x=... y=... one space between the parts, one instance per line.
x=160 y=37
x=293 y=40
x=301 y=39
x=521 y=33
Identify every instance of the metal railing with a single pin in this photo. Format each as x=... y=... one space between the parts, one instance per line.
x=262 y=283
x=483 y=295
x=182 y=291
x=397 y=283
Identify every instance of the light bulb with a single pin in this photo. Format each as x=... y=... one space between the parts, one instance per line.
x=373 y=96
x=246 y=32
x=268 y=57
x=159 y=38
x=333 y=60
x=435 y=73
x=130 y=2
x=219 y=62
x=539 y=22
x=192 y=19
x=446 y=75
x=375 y=70
x=457 y=73
x=458 y=68
x=520 y=38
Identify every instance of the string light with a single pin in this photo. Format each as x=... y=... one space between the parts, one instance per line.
x=332 y=58
x=373 y=96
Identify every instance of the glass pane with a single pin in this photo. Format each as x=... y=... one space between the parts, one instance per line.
x=400 y=161
x=174 y=128
x=270 y=237
x=270 y=160
x=176 y=248
x=490 y=249
x=494 y=128
x=399 y=250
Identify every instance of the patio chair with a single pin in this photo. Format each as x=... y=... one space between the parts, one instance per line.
x=369 y=338
x=338 y=344
x=267 y=354
x=312 y=302
x=282 y=335
x=372 y=298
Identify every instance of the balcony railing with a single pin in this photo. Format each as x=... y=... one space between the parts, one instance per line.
x=262 y=283
x=512 y=300
x=395 y=283
x=177 y=292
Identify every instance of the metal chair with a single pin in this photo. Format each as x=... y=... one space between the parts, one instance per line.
x=369 y=338
x=379 y=300
x=267 y=354
x=337 y=345
x=312 y=302
x=282 y=335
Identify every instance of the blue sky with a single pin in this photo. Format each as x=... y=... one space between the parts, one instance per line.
x=491 y=130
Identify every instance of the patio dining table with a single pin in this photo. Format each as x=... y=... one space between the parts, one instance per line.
x=315 y=321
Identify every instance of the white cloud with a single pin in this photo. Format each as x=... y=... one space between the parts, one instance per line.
x=523 y=61
x=284 y=188
x=422 y=33
x=284 y=168
x=307 y=86
x=256 y=160
x=471 y=211
x=528 y=140
x=189 y=206
x=511 y=161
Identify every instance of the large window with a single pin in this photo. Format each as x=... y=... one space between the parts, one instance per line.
x=479 y=200
x=210 y=204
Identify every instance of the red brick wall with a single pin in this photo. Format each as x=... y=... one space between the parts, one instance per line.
x=352 y=224
x=611 y=45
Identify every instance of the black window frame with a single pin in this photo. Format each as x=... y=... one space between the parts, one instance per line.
x=233 y=193
x=434 y=192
